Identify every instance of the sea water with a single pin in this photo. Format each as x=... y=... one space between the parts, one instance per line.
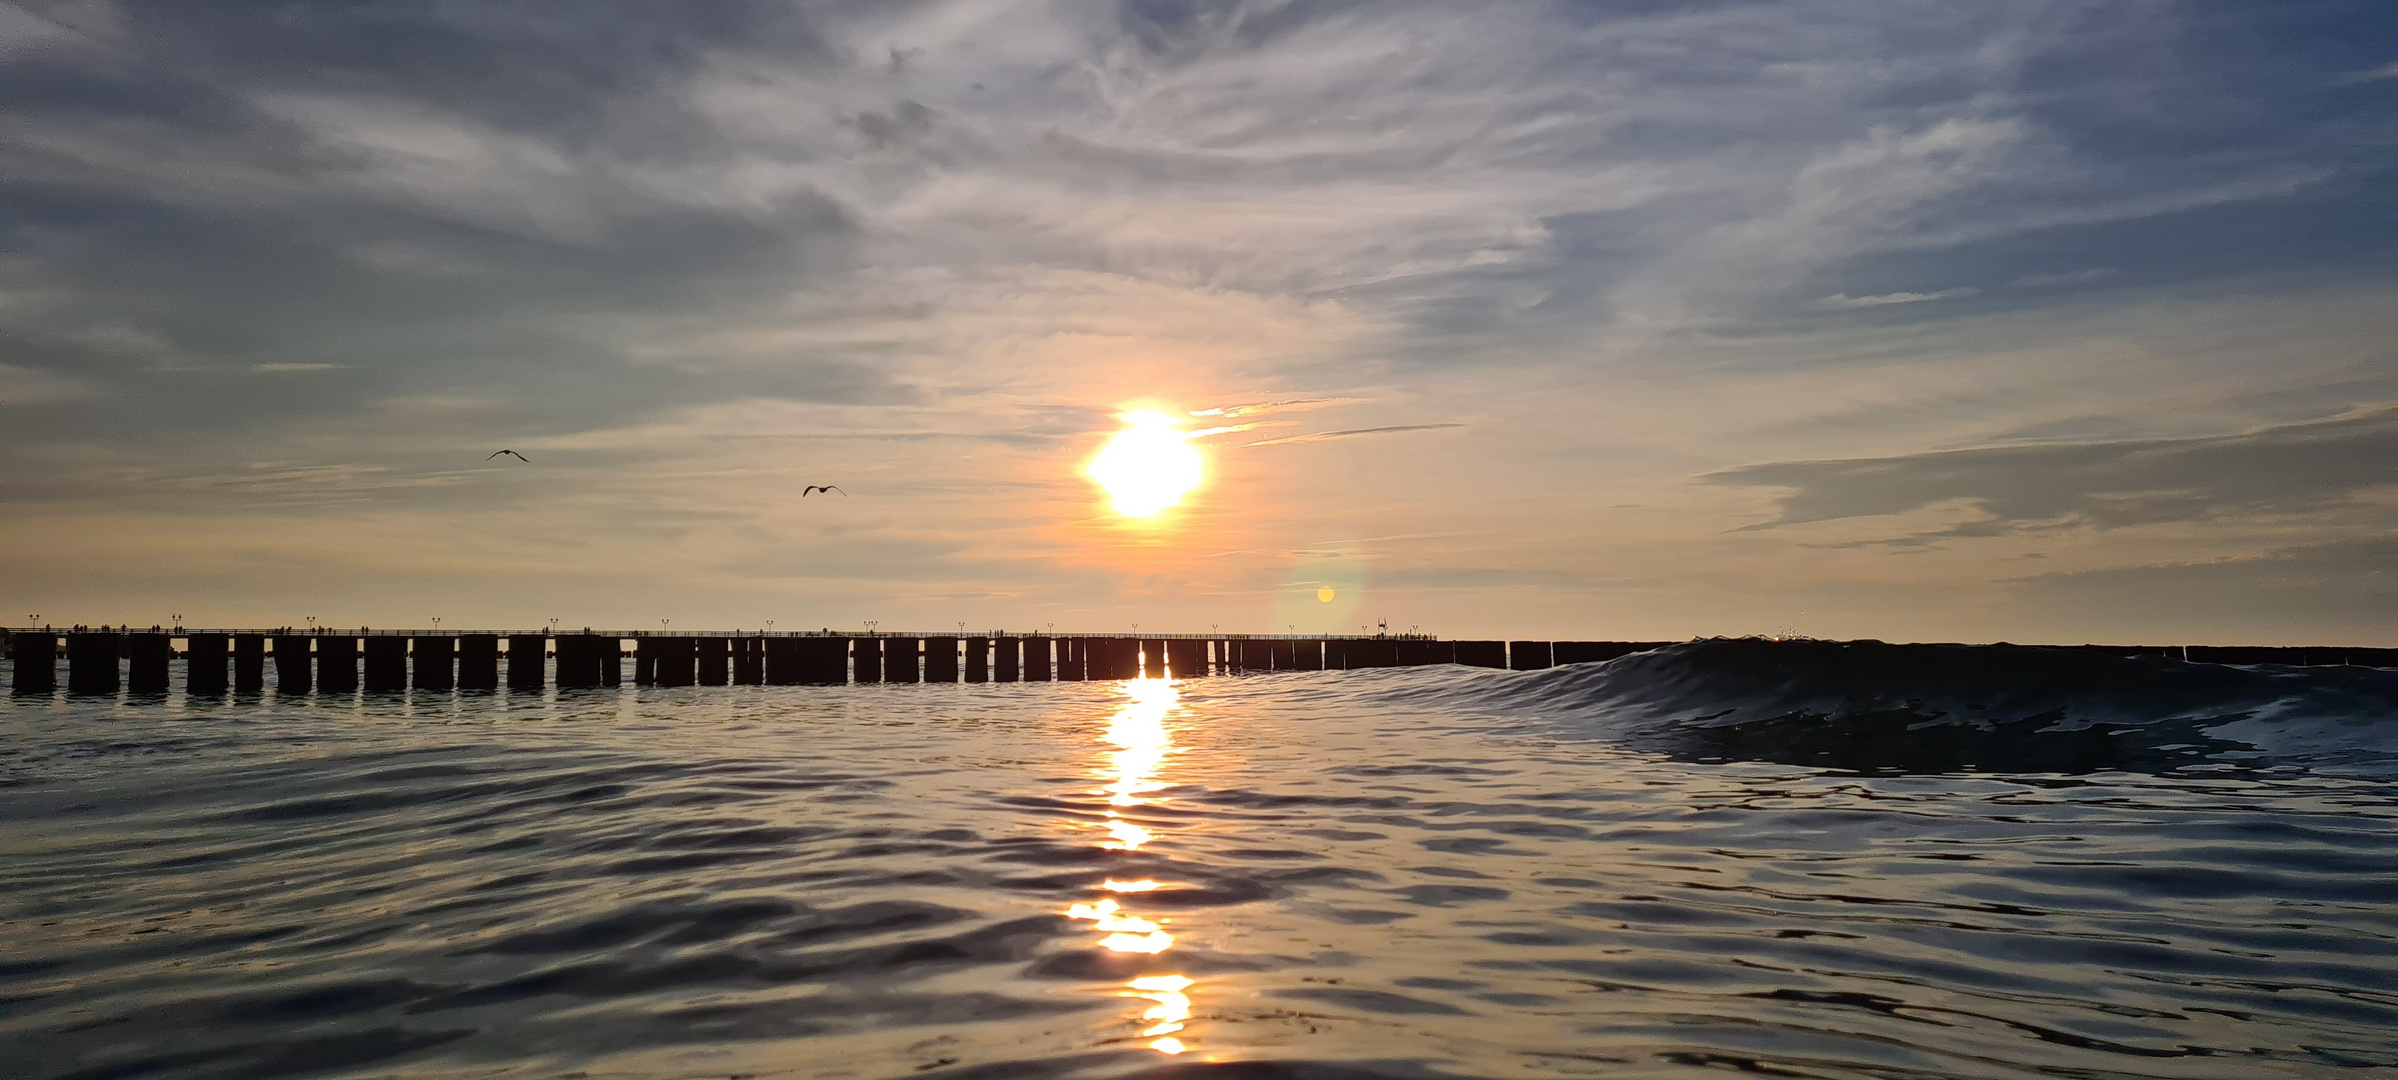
x=1782 y=859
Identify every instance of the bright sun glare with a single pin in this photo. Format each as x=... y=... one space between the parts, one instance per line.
x=1147 y=467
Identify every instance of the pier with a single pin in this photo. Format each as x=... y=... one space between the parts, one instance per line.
x=109 y=660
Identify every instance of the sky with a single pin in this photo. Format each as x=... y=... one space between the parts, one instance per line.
x=2041 y=321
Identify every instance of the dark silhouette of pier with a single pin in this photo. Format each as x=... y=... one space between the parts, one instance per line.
x=105 y=660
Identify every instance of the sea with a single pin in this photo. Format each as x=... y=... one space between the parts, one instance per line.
x=1719 y=858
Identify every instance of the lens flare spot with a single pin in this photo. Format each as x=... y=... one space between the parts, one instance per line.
x=1148 y=467
x=1324 y=595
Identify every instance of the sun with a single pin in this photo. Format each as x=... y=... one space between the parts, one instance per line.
x=1148 y=467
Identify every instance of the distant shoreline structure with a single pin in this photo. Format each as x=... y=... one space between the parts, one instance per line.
x=101 y=660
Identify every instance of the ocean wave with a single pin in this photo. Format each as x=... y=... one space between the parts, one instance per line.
x=1871 y=705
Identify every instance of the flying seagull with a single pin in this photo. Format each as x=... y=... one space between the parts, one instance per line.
x=813 y=488
x=511 y=453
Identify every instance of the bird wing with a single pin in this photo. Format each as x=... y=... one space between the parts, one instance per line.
x=829 y=487
x=495 y=453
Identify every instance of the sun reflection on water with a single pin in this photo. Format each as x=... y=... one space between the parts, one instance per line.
x=1141 y=741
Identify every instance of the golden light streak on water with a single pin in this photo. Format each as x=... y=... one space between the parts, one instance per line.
x=1140 y=742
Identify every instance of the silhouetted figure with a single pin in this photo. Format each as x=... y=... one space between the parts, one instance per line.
x=510 y=453
x=813 y=488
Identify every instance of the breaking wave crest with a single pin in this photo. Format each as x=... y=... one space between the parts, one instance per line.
x=1871 y=705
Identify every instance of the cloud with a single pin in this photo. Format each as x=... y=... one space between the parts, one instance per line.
x=2285 y=470
x=1324 y=435
x=2331 y=590
x=2384 y=72
x=1287 y=405
x=2070 y=277
x=1843 y=300
x=283 y=367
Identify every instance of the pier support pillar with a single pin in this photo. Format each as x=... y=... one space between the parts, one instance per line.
x=866 y=655
x=249 y=663
x=978 y=659
x=336 y=664
x=525 y=655
x=386 y=664
x=434 y=662
x=714 y=657
x=940 y=659
x=478 y=662
x=294 y=664
x=580 y=659
x=92 y=663
x=1491 y=654
x=1187 y=657
x=1036 y=660
x=147 y=659
x=611 y=657
x=1007 y=659
x=1422 y=653
x=645 y=661
x=204 y=657
x=823 y=661
x=900 y=660
x=749 y=661
x=782 y=662
x=1527 y=655
x=1070 y=664
x=1562 y=653
x=35 y=655
x=1307 y=655
x=678 y=661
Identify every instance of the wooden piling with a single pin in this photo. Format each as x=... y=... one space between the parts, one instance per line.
x=940 y=659
x=1528 y=655
x=249 y=663
x=386 y=664
x=336 y=664
x=866 y=659
x=147 y=657
x=1423 y=653
x=978 y=659
x=526 y=653
x=295 y=664
x=92 y=663
x=782 y=662
x=479 y=662
x=678 y=661
x=582 y=659
x=1562 y=653
x=1007 y=659
x=824 y=661
x=749 y=661
x=1187 y=657
x=901 y=661
x=432 y=663
x=645 y=661
x=34 y=654
x=713 y=657
x=204 y=657
x=1309 y=656
x=1036 y=659
x=1073 y=661
x=1489 y=654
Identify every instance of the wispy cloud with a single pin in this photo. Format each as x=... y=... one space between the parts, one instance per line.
x=1324 y=435
x=1843 y=300
x=1289 y=405
x=2088 y=276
